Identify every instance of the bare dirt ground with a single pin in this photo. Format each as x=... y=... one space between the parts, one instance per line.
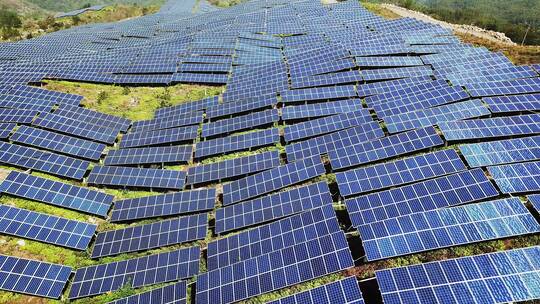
x=459 y=28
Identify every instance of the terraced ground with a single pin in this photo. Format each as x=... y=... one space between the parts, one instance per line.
x=308 y=152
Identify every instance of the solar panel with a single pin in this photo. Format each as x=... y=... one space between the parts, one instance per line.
x=381 y=87
x=345 y=291
x=446 y=227
x=76 y=127
x=58 y=143
x=275 y=270
x=323 y=144
x=386 y=147
x=5 y=129
x=323 y=109
x=272 y=207
x=451 y=190
x=516 y=178
x=217 y=171
x=240 y=123
x=515 y=103
x=137 y=177
x=170 y=294
x=94 y=118
x=237 y=143
x=502 y=152
x=433 y=116
x=45 y=228
x=508 y=87
x=137 y=272
x=491 y=127
x=399 y=172
x=326 y=125
x=344 y=77
x=388 y=61
x=149 y=155
x=408 y=90
x=56 y=193
x=143 y=237
x=200 y=78
x=159 y=137
x=33 y=277
x=394 y=73
x=499 y=277
x=42 y=161
x=187 y=107
x=163 y=205
x=321 y=93
x=18 y=115
x=535 y=201
x=238 y=107
x=181 y=120
x=287 y=232
x=272 y=180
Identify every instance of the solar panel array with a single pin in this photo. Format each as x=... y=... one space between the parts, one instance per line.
x=149 y=155
x=170 y=294
x=344 y=291
x=137 y=177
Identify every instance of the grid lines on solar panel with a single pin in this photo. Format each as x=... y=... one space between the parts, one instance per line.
x=17 y=115
x=42 y=161
x=381 y=87
x=432 y=116
x=163 y=205
x=148 y=236
x=493 y=74
x=137 y=272
x=516 y=178
x=234 y=167
x=237 y=142
x=323 y=109
x=187 y=107
x=137 y=177
x=345 y=291
x=75 y=127
x=502 y=152
x=394 y=73
x=508 y=87
x=491 y=127
x=275 y=270
x=515 y=103
x=286 y=232
x=446 y=227
x=403 y=171
x=394 y=94
x=321 y=93
x=451 y=190
x=240 y=123
x=59 y=143
x=383 y=148
x=200 y=78
x=272 y=180
x=170 y=294
x=272 y=207
x=43 y=94
x=499 y=277
x=149 y=155
x=33 y=277
x=45 y=228
x=325 y=125
x=390 y=61
x=181 y=120
x=323 y=144
x=17 y=102
x=6 y=128
x=94 y=118
x=535 y=201
x=158 y=137
x=226 y=109
x=337 y=78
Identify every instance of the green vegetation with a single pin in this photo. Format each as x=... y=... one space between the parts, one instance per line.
x=66 y=6
x=10 y=23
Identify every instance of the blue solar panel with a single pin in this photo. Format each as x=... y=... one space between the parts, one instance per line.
x=516 y=103
x=150 y=155
x=387 y=147
x=240 y=123
x=323 y=144
x=272 y=180
x=535 y=201
x=502 y=152
x=45 y=228
x=272 y=207
x=158 y=234
x=277 y=235
x=509 y=87
x=446 y=227
x=381 y=87
x=433 y=116
x=137 y=272
x=181 y=120
x=345 y=77
x=491 y=127
x=394 y=73
x=58 y=143
x=56 y=193
x=18 y=115
x=323 y=109
x=321 y=93
x=159 y=137
x=242 y=106
x=516 y=178
x=451 y=190
x=345 y=291
x=388 y=61
x=42 y=161
x=237 y=143
x=500 y=277
x=170 y=294
x=94 y=118
x=187 y=107
x=399 y=172
x=137 y=177
x=326 y=125
x=200 y=78
x=409 y=90
x=5 y=129
x=33 y=277
x=242 y=166
x=163 y=205
x=275 y=270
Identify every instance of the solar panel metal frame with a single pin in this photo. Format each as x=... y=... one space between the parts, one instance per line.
x=149 y=155
x=137 y=177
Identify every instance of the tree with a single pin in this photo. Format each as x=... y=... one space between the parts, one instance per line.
x=76 y=20
x=9 y=19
